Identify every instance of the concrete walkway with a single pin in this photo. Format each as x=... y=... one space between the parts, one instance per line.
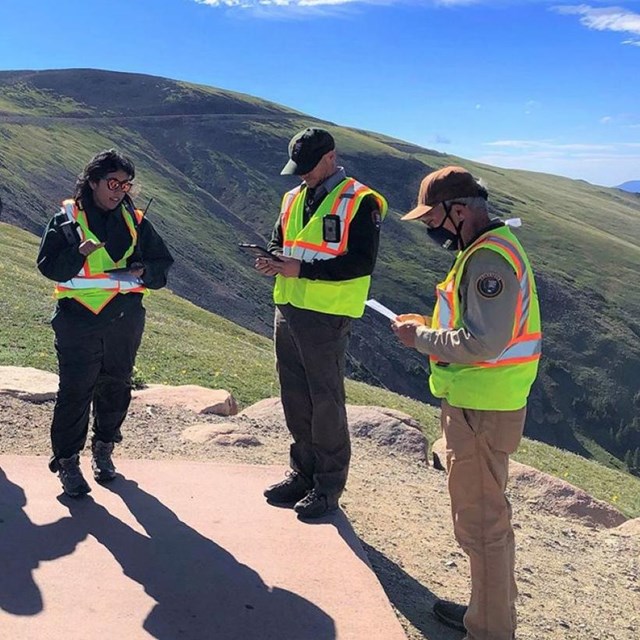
x=177 y=550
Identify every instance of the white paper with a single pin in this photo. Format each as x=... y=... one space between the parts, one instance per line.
x=380 y=308
x=513 y=222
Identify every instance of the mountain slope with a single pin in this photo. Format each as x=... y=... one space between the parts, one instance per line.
x=211 y=158
x=632 y=186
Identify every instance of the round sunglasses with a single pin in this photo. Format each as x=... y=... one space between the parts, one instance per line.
x=113 y=184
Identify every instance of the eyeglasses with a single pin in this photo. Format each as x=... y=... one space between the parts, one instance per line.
x=113 y=184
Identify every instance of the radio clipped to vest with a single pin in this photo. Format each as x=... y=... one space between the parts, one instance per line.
x=68 y=229
x=331 y=231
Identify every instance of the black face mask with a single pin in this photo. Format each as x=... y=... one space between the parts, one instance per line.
x=445 y=238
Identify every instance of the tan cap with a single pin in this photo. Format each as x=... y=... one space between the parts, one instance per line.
x=448 y=183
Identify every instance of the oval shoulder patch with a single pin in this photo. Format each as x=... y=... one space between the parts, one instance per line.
x=489 y=285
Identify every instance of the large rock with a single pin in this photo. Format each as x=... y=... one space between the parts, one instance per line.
x=267 y=411
x=27 y=383
x=554 y=495
x=562 y=498
x=190 y=396
x=387 y=427
x=225 y=434
x=630 y=527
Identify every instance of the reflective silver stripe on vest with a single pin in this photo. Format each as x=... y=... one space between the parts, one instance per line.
x=444 y=310
x=101 y=283
x=307 y=255
x=524 y=349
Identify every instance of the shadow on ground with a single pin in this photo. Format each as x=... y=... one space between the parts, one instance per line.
x=199 y=590
x=411 y=598
x=24 y=545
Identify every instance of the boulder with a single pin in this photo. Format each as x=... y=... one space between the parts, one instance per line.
x=553 y=495
x=630 y=527
x=386 y=427
x=265 y=411
x=190 y=396
x=204 y=431
x=29 y=384
x=561 y=498
x=225 y=434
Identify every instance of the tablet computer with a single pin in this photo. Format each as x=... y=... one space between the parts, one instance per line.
x=258 y=252
x=119 y=270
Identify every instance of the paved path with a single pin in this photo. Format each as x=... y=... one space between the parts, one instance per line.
x=177 y=550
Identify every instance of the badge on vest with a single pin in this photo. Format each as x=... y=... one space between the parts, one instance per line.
x=331 y=228
x=489 y=285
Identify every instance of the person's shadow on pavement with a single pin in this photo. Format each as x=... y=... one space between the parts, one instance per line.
x=413 y=599
x=24 y=545
x=200 y=590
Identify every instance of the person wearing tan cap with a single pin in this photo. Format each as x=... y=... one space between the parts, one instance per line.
x=483 y=343
x=326 y=239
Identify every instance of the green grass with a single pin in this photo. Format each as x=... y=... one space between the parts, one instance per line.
x=184 y=344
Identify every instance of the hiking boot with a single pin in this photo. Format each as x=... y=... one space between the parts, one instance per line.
x=450 y=613
x=73 y=482
x=315 y=505
x=293 y=488
x=101 y=463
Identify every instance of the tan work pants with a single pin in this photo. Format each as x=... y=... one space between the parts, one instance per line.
x=478 y=448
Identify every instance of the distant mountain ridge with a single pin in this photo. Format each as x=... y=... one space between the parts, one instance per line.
x=632 y=186
x=211 y=159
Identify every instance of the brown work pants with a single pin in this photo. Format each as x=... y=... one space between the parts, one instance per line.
x=478 y=447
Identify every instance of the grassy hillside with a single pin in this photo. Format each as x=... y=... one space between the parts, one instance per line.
x=184 y=344
x=210 y=159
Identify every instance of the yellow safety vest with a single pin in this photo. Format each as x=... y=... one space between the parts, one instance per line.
x=92 y=287
x=305 y=242
x=503 y=383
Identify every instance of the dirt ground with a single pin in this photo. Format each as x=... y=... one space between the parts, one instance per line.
x=576 y=581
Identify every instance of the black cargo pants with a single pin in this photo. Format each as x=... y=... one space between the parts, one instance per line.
x=95 y=365
x=310 y=351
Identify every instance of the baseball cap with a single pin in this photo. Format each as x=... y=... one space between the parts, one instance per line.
x=306 y=149
x=448 y=183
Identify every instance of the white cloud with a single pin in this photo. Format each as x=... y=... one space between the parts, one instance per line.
x=264 y=6
x=606 y=19
x=294 y=8
x=609 y=163
x=248 y=4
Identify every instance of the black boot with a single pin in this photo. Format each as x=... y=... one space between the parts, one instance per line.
x=293 y=488
x=315 y=505
x=101 y=462
x=73 y=482
x=450 y=613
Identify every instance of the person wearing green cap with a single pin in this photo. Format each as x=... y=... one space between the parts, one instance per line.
x=326 y=242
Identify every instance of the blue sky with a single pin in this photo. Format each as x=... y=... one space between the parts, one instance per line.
x=545 y=86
